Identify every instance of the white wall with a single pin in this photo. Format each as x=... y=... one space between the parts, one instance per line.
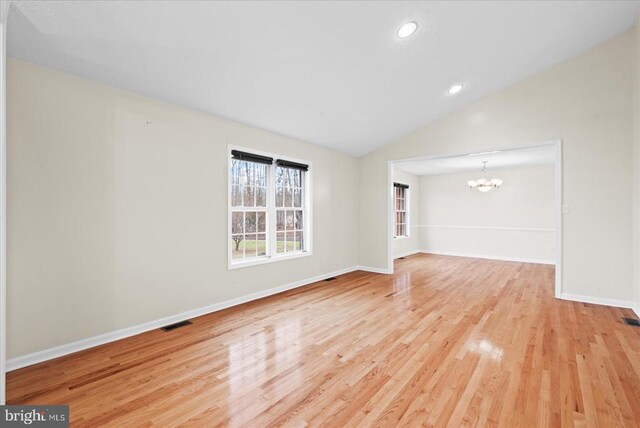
x=404 y=246
x=587 y=102
x=118 y=214
x=515 y=221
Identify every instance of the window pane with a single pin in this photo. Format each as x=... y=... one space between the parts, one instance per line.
x=279 y=196
x=280 y=243
x=297 y=198
x=244 y=173
x=288 y=197
x=286 y=177
x=250 y=222
x=261 y=175
x=262 y=222
x=290 y=237
x=296 y=242
x=298 y=220
x=248 y=197
x=261 y=196
x=261 y=244
x=279 y=177
x=251 y=176
x=236 y=196
x=237 y=222
x=235 y=171
x=290 y=220
x=250 y=246
x=279 y=220
x=297 y=178
x=237 y=246
x=243 y=178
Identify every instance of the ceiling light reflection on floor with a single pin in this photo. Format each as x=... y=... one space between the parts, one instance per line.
x=484 y=347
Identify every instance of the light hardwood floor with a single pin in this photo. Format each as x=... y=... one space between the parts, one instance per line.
x=444 y=341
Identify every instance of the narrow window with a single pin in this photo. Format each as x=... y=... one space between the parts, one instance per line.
x=290 y=206
x=249 y=213
x=401 y=198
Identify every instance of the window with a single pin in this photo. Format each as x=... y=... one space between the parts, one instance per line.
x=289 y=208
x=401 y=192
x=269 y=214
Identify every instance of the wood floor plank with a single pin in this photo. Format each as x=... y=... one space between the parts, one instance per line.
x=445 y=341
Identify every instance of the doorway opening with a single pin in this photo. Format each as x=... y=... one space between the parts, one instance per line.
x=503 y=204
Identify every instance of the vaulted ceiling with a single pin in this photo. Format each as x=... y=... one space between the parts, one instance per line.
x=331 y=73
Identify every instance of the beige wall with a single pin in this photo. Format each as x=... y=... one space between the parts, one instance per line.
x=118 y=215
x=587 y=102
x=636 y=162
x=402 y=246
x=515 y=221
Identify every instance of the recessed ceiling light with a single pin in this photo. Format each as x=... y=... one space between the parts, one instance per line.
x=407 y=29
x=454 y=89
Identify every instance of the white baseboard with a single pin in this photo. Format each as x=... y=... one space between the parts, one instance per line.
x=373 y=269
x=636 y=309
x=406 y=254
x=81 y=345
x=597 y=300
x=484 y=256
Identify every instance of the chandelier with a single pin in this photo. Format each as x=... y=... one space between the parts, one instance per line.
x=483 y=184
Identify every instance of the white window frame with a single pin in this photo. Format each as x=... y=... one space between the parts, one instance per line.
x=407 y=216
x=307 y=195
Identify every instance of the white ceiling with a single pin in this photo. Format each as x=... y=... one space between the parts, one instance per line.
x=541 y=155
x=330 y=73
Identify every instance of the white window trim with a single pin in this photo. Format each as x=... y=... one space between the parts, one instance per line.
x=271 y=213
x=407 y=210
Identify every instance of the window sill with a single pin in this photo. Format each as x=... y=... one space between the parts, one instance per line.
x=265 y=260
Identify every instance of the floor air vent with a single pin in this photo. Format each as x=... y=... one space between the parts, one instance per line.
x=331 y=279
x=176 y=325
x=632 y=321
